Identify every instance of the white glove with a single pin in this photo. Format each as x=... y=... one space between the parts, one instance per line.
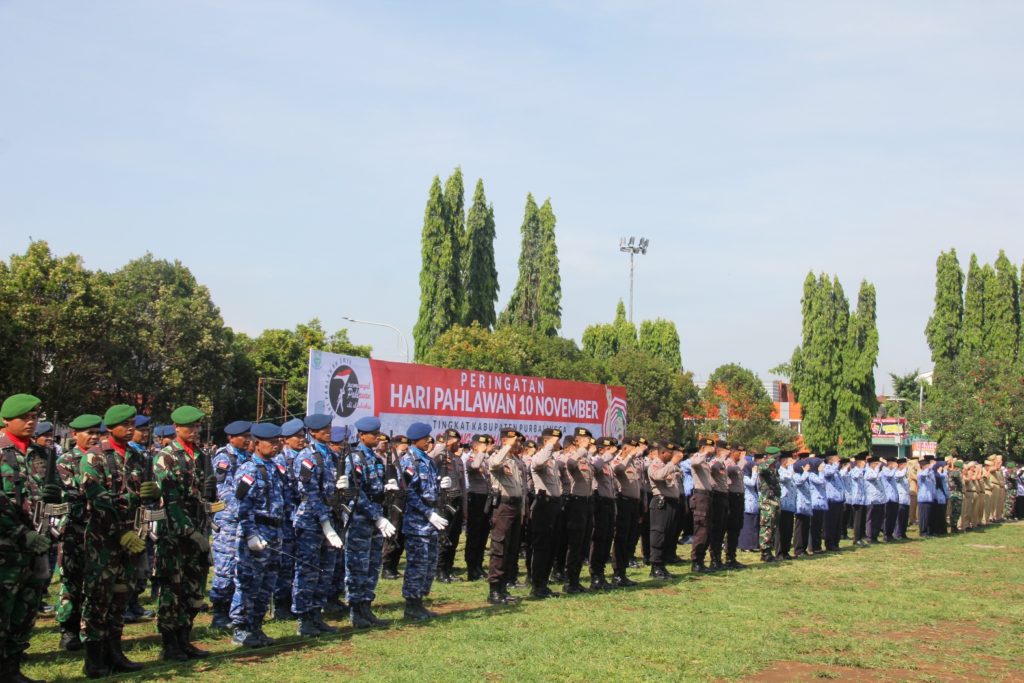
x=257 y=544
x=342 y=482
x=392 y=485
x=332 y=536
x=438 y=521
x=446 y=483
x=385 y=527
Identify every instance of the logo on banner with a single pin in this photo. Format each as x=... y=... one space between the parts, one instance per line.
x=614 y=423
x=343 y=390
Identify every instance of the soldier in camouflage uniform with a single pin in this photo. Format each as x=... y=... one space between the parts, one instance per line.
x=23 y=549
x=956 y=495
x=183 y=542
x=1010 y=482
x=225 y=463
x=111 y=481
x=769 y=493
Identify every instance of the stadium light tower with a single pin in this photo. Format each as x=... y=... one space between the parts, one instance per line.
x=632 y=247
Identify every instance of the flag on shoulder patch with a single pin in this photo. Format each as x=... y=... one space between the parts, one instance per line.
x=222 y=465
x=249 y=479
x=307 y=464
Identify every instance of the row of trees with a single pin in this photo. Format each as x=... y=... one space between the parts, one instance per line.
x=832 y=370
x=147 y=334
x=976 y=402
x=458 y=277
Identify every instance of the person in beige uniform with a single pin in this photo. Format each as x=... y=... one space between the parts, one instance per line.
x=578 y=509
x=913 y=467
x=664 y=473
x=970 y=493
x=544 y=512
x=999 y=488
x=508 y=507
x=627 y=509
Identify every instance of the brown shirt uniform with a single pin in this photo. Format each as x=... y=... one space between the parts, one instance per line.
x=546 y=476
x=578 y=466
x=627 y=476
x=664 y=478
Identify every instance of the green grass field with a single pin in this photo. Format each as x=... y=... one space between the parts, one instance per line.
x=936 y=610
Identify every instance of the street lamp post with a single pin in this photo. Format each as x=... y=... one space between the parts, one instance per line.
x=632 y=247
x=397 y=331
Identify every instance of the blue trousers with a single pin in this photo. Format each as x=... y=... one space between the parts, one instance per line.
x=286 y=565
x=255 y=577
x=364 y=546
x=313 y=571
x=420 y=562
x=225 y=557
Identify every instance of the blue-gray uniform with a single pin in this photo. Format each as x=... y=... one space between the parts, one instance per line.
x=819 y=503
x=363 y=538
x=259 y=491
x=314 y=472
x=286 y=569
x=225 y=525
x=835 y=495
x=802 y=519
x=892 y=505
x=875 y=501
x=421 y=539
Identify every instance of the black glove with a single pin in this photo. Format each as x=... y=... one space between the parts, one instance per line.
x=210 y=488
x=52 y=494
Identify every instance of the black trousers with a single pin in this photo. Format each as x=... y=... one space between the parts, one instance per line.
x=817 y=529
x=847 y=519
x=801 y=532
x=561 y=542
x=924 y=518
x=719 y=522
x=685 y=523
x=663 y=511
x=505 y=525
x=833 y=524
x=645 y=526
x=892 y=510
x=700 y=505
x=876 y=518
x=785 y=531
x=734 y=525
x=938 y=521
x=579 y=520
x=603 y=533
x=627 y=516
x=447 y=549
x=543 y=516
x=902 y=517
x=858 y=523
x=477 y=526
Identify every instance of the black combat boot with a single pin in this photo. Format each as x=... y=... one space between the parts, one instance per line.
x=115 y=656
x=95 y=659
x=496 y=596
x=283 y=610
x=414 y=611
x=324 y=627
x=69 y=641
x=766 y=556
x=599 y=583
x=221 y=619
x=171 y=650
x=185 y=642
x=358 y=616
x=573 y=588
x=429 y=613
x=307 y=626
x=371 y=617
x=716 y=564
x=658 y=571
x=733 y=563
x=698 y=568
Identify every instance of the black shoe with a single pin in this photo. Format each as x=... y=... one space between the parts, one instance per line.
x=283 y=611
x=543 y=593
x=307 y=626
x=371 y=617
x=221 y=620
x=70 y=642
x=185 y=642
x=622 y=581
x=599 y=583
x=474 y=574
x=698 y=568
x=573 y=588
x=496 y=595
x=335 y=606
x=388 y=573
x=558 y=577
x=635 y=564
x=95 y=659
x=785 y=556
x=171 y=650
x=324 y=627
x=767 y=556
x=444 y=577
x=115 y=656
x=716 y=565
x=414 y=610
x=734 y=564
x=658 y=571
x=358 y=616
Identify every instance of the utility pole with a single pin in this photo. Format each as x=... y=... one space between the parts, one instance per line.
x=632 y=247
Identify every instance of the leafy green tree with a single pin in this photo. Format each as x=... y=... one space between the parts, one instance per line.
x=857 y=402
x=974 y=334
x=660 y=338
x=735 y=403
x=549 y=296
x=658 y=393
x=481 y=277
x=524 y=306
x=440 y=278
x=606 y=340
x=944 y=327
x=969 y=406
x=54 y=330
x=1002 y=312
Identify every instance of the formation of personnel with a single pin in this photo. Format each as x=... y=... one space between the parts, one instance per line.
x=301 y=519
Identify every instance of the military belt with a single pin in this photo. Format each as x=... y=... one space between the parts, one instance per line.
x=267 y=520
x=56 y=509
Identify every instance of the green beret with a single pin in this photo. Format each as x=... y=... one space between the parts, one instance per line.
x=86 y=421
x=186 y=415
x=772 y=450
x=18 y=405
x=115 y=415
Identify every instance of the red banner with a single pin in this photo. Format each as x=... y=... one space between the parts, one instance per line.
x=467 y=400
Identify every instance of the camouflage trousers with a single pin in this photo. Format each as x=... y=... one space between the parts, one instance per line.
x=72 y=572
x=1011 y=501
x=363 y=548
x=181 y=567
x=108 y=569
x=22 y=585
x=225 y=558
x=768 y=527
x=956 y=507
x=313 y=571
x=254 y=581
x=420 y=562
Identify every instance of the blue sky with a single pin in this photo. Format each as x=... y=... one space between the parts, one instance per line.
x=283 y=151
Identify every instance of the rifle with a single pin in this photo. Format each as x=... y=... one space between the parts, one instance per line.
x=444 y=504
x=338 y=501
x=394 y=501
x=146 y=516
x=43 y=514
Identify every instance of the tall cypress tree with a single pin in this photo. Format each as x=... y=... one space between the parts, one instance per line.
x=549 y=302
x=660 y=338
x=455 y=223
x=857 y=401
x=944 y=327
x=440 y=305
x=974 y=330
x=480 y=285
x=1002 y=312
x=523 y=307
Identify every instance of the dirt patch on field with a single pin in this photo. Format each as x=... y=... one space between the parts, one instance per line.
x=784 y=672
x=970 y=631
x=801 y=672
